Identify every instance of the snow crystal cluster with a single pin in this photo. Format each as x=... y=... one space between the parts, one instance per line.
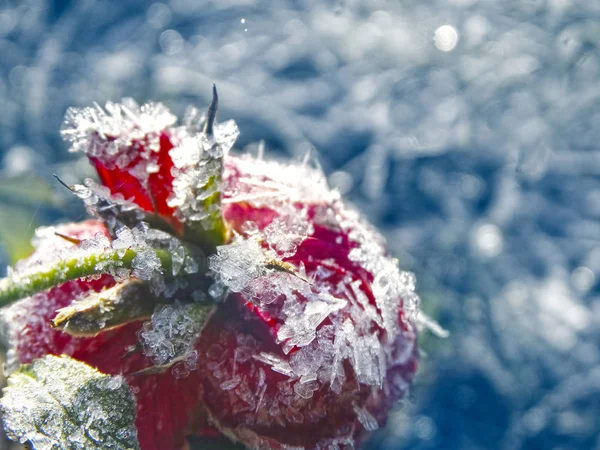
x=116 y=134
x=146 y=265
x=238 y=263
x=170 y=335
x=197 y=172
x=114 y=210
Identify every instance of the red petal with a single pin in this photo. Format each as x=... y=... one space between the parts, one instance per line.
x=150 y=194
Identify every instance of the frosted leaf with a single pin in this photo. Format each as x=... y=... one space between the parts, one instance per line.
x=61 y=403
x=198 y=162
x=114 y=210
x=238 y=263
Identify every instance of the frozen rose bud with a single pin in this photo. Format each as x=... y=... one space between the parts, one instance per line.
x=314 y=343
x=142 y=157
x=312 y=339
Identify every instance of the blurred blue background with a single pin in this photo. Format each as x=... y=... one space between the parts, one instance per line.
x=467 y=130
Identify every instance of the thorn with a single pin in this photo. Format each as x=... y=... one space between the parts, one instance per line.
x=211 y=115
x=71 y=188
x=70 y=239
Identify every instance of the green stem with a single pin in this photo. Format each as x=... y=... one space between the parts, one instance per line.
x=19 y=285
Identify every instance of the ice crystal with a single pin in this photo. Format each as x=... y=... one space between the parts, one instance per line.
x=366 y=418
x=111 y=134
x=171 y=333
x=197 y=174
x=60 y=403
x=301 y=323
x=238 y=263
x=285 y=233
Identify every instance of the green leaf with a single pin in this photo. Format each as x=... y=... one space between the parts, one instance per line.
x=59 y=403
x=197 y=187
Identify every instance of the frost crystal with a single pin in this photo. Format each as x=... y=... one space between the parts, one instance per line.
x=197 y=174
x=170 y=335
x=111 y=134
x=285 y=234
x=145 y=264
x=237 y=263
x=366 y=418
x=287 y=184
x=302 y=262
x=60 y=403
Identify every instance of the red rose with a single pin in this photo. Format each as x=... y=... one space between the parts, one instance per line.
x=312 y=339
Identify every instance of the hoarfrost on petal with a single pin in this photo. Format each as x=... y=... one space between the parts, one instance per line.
x=171 y=333
x=238 y=263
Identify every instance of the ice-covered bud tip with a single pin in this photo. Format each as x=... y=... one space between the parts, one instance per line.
x=293 y=329
x=143 y=157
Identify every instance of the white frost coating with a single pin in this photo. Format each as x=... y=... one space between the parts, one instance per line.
x=197 y=173
x=286 y=184
x=109 y=134
x=61 y=403
x=390 y=284
x=237 y=263
x=285 y=233
x=171 y=333
x=277 y=364
x=330 y=317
